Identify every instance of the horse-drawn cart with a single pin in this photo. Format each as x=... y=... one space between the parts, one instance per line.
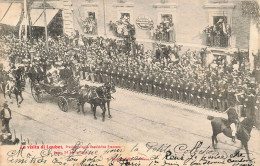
x=39 y=89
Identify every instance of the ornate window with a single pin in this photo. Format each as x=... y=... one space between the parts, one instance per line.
x=122 y=28
x=218 y=33
x=166 y=17
x=88 y=16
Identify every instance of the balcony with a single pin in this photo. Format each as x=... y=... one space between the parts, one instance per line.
x=217 y=40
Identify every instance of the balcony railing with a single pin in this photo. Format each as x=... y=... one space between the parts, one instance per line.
x=217 y=40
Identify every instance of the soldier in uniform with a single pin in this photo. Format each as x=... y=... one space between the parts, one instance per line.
x=240 y=98
x=168 y=90
x=102 y=71
x=149 y=82
x=133 y=79
x=200 y=94
x=208 y=96
x=215 y=97
x=125 y=78
x=142 y=81
x=120 y=78
x=130 y=80
x=114 y=75
x=83 y=69
x=162 y=85
x=192 y=92
x=195 y=93
x=172 y=88
x=92 y=73
x=225 y=97
x=97 y=74
x=231 y=95
x=187 y=89
x=109 y=73
x=87 y=72
x=156 y=84
x=250 y=101
x=179 y=90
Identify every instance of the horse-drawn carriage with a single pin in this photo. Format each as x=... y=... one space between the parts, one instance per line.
x=38 y=89
x=68 y=89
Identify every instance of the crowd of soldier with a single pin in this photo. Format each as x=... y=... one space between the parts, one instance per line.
x=215 y=86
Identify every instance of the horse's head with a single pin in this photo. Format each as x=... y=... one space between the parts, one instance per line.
x=110 y=86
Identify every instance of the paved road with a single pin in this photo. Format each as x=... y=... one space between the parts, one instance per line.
x=136 y=118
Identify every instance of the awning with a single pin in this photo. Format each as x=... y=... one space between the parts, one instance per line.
x=37 y=17
x=10 y=13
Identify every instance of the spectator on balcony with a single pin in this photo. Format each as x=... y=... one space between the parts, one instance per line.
x=172 y=34
x=222 y=31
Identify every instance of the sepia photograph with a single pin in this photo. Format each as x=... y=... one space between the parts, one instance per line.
x=130 y=82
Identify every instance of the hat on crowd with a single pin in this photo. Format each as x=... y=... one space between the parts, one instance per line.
x=5 y=104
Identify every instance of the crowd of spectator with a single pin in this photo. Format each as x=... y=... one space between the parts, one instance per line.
x=165 y=72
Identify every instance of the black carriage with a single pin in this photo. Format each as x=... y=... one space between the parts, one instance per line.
x=39 y=89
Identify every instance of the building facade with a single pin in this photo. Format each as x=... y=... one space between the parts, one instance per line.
x=187 y=22
x=190 y=19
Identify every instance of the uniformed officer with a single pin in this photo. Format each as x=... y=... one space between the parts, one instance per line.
x=92 y=72
x=168 y=90
x=187 y=89
x=250 y=101
x=87 y=71
x=162 y=85
x=125 y=77
x=121 y=78
x=207 y=95
x=215 y=96
x=200 y=95
x=133 y=80
x=130 y=80
x=142 y=81
x=179 y=92
x=156 y=83
x=102 y=70
x=109 y=73
x=195 y=92
x=231 y=95
x=114 y=74
x=97 y=74
x=149 y=82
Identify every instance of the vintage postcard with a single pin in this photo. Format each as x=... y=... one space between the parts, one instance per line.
x=129 y=82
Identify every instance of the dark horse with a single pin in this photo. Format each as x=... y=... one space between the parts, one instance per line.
x=96 y=96
x=110 y=88
x=220 y=125
x=15 y=88
x=14 y=85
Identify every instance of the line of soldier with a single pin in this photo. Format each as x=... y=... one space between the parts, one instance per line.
x=95 y=63
x=166 y=85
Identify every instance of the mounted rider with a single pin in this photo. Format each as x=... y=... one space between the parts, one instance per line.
x=233 y=121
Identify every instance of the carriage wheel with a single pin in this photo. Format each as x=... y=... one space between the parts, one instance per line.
x=63 y=103
x=37 y=93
